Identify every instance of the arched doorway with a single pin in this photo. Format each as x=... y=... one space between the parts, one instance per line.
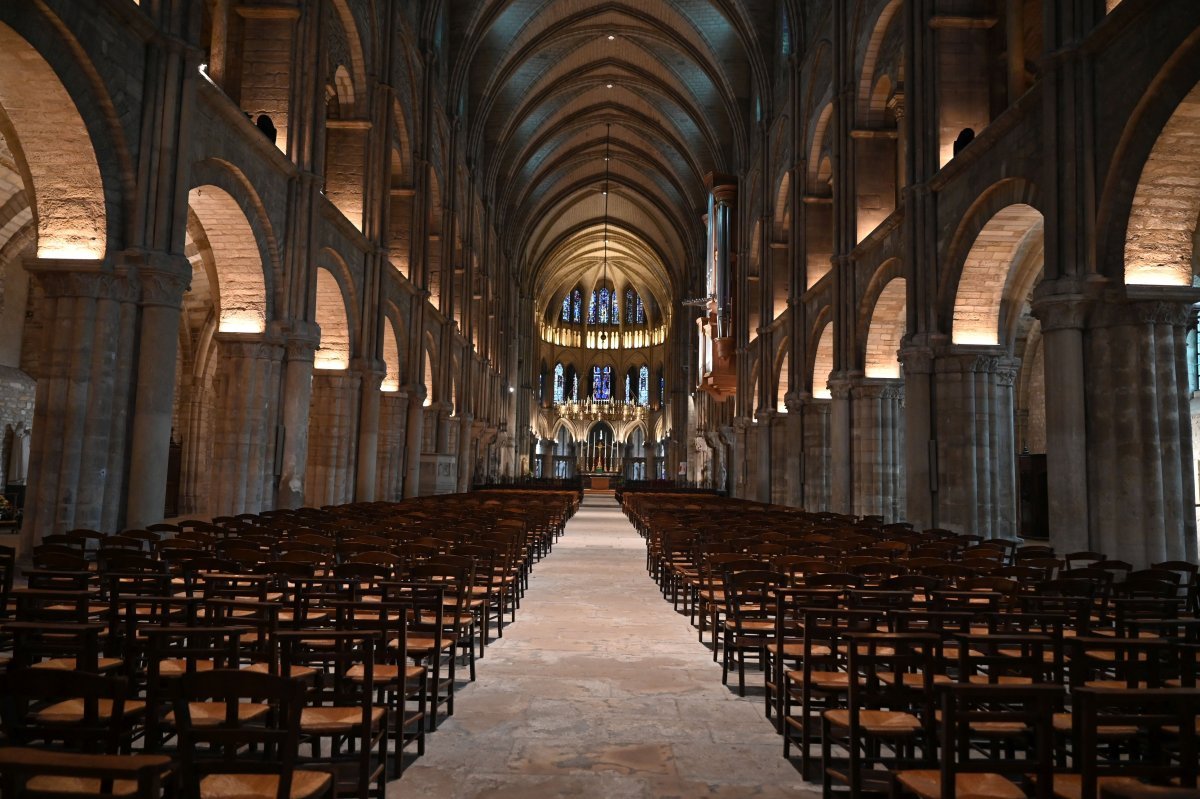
x=600 y=455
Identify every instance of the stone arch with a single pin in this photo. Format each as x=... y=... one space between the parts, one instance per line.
x=333 y=317
x=53 y=150
x=999 y=269
x=867 y=79
x=1132 y=171
x=1160 y=234
x=430 y=356
x=990 y=204
x=393 y=359
x=885 y=316
x=237 y=284
x=781 y=375
x=822 y=355
x=357 y=76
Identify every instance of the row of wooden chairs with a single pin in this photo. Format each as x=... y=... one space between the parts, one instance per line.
x=273 y=681
x=1000 y=671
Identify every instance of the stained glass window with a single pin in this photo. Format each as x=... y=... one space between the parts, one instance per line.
x=641 y=312
x=558 y=383
x=604 y=306
x=577 y=299
x=644 y=385
x=629 y=306
x=592 y=310
x=615 y=318
x=566 y=313
x=629 y=388
x=574 y=385
x=602 y=383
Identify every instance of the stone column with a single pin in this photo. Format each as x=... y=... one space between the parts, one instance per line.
x=442 y=430
x=878 y=438
x=920 y=476
x=841 y=485
x=414 y=432
x=817 y=462
x=247 y=386
x=370 y=375
x=764 y=474
x=1063 y=318
x=163 y=279
x=650 y=449
x=389 y=471
x=547 y=456
x=295 y=400
x=466 y=439
x=77 y=450
x=793 y=451
x=332 y=436
x=1139 y=460
x=976 y=451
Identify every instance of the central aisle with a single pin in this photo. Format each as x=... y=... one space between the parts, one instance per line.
x=600 y=690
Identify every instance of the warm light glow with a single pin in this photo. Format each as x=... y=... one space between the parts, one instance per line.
x=390 y=385
x=611 y=37
x=822 y=393
x=237 y=323
x=325 y=359
x=985 y=337
x=70 y=252
x=1149 y=275
x=608 y=85
x=883 y=370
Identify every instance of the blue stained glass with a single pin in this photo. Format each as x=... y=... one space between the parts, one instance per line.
x=629 y=305
x=604 y=307
x=578 y=301
x=559 y=383
x=592 y=310
x=601 y=383
x=575 y=387
x=641 y=312
x=629 y=388
x=566 y=312
x=644 y=386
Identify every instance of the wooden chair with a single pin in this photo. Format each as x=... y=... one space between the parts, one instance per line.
x=241 y=757
x=28 y=773
x=749 y=620
x=1161 y=747
x=889 y=708
x=75 y=711
x=972 y=770
x=341 y=707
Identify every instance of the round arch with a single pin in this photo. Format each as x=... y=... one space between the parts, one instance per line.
x=43 y=128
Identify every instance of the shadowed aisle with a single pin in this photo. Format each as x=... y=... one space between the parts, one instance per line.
x=600 y=690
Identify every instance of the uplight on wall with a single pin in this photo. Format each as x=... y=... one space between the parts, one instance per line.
x=241 y=323
x=330 y=359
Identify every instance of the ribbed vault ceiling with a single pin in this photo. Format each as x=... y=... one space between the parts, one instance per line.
x=540 y=80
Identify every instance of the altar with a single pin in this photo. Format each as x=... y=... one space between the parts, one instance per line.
x=597 y=482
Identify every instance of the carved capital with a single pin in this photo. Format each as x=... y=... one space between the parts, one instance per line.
x=254 y=346
x=1000 y=365
x=878 y=389
x=163 y=277
x=85 y=279
x=1142 y=312
x=1061 y=312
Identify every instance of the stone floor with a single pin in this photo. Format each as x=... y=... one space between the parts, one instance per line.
x=601 y=690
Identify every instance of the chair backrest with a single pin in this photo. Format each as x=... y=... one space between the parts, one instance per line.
x=1159 y=716
x=81 y=711
x=1031 y=706
x=266 y=744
